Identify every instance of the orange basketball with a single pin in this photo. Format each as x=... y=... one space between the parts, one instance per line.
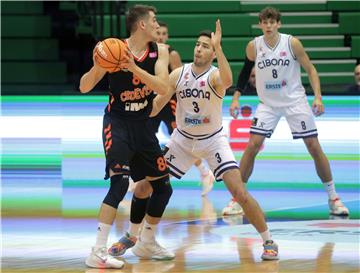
x=109 y=54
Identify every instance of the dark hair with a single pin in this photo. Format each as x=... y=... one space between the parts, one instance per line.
x=206 y=33
x=162 y=24
x=136 y=13
x=269 y=13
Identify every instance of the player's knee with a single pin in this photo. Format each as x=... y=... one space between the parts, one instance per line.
x=143 y=189
x=254 y=145
x=160 y=197
x=162 y=186
x=240 y=195
x=118 y=187
x=313 y=146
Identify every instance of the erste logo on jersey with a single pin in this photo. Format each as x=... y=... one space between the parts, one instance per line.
x=275 y=85
x=138 y=93
x=196 y=120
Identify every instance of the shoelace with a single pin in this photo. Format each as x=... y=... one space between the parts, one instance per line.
x=102 y=254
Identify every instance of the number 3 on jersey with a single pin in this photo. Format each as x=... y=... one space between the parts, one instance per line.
x=218 y=157
x=196 y=107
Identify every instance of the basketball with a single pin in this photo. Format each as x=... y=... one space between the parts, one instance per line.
x=109 y=54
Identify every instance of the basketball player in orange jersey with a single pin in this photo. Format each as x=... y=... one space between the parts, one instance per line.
x=200 y=88
x=130 y=144
x=277 y=58
x=167 y=114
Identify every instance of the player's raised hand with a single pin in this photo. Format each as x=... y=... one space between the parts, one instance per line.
x=216 y=37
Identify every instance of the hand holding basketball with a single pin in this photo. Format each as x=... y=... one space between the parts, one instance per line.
x=111 y=55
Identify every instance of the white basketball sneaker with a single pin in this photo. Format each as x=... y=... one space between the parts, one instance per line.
x=337 y=207
x=99 y=258
x=207 y=182
x=232 y=208
x=152 y=250
x=233 y=220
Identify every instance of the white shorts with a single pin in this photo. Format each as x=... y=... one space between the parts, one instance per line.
x=182 y=152
x=299 y=117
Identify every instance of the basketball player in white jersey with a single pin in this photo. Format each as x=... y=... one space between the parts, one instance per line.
x=277 y=58
x=200 y=88
x=167 y=114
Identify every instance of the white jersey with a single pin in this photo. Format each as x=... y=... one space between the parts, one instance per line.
x=278 y=74
x=199 y=106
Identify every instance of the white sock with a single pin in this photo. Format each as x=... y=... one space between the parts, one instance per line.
x=266 y=236
x=203 y=169
x=102 y=235
x=330 y=189
x=134 y=229
x=148 y=232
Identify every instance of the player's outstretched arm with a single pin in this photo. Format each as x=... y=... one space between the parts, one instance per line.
x=303 y=59
x=222 y=78
x=243 y=79
x=161 y=100
x=158 y=82
x=92 y=77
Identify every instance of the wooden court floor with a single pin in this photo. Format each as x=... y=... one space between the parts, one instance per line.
x=202 y=240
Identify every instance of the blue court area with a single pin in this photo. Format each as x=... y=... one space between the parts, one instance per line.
x=53 y=162
x=52 y=170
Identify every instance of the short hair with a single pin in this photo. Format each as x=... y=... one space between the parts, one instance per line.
x=136 y=13
x=206 y=33
x=269 y=13
x=163 y=24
